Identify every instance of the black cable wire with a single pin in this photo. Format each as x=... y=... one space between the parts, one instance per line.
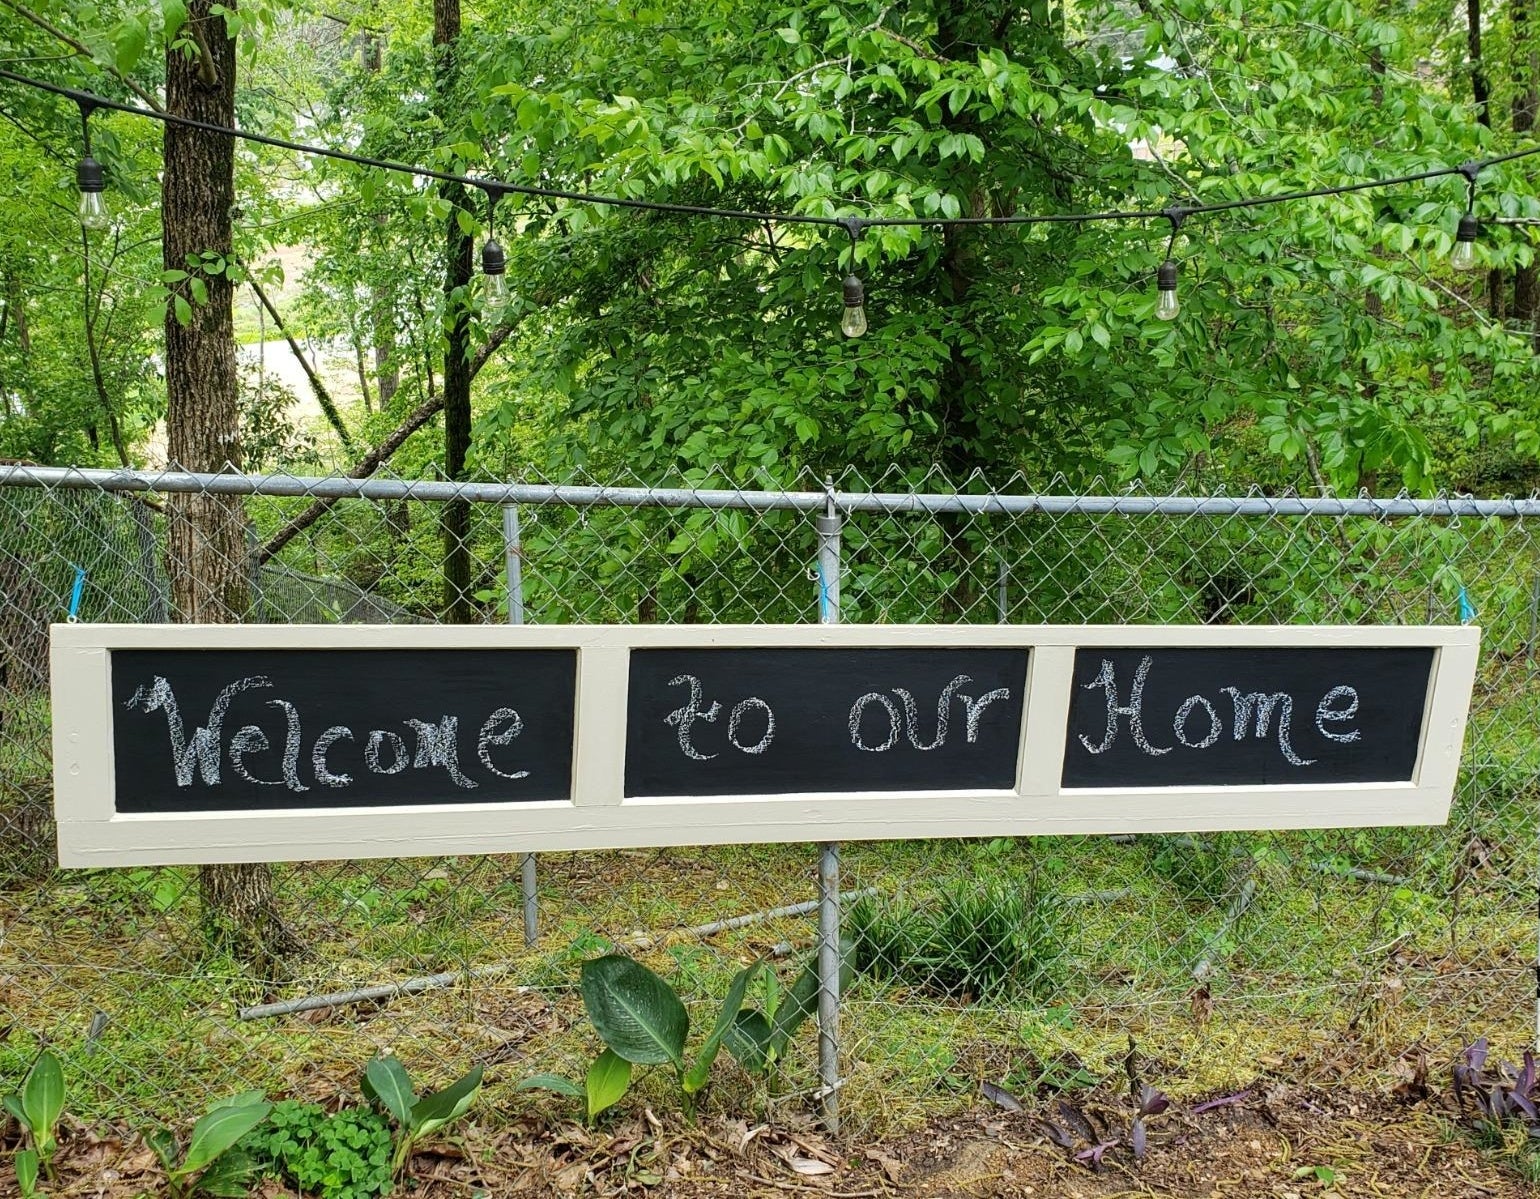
x=500 y=187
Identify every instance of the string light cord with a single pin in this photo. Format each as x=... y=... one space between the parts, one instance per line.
x=89 y=99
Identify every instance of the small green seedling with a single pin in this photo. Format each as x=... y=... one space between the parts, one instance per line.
x=209 y=1167
x=386 y=1084
x=37 y=1108
x=758 y=1040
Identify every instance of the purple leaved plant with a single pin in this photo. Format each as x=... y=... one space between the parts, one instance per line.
x=1492 y=1099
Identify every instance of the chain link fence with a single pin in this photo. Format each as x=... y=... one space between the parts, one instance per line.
x=1027 y=963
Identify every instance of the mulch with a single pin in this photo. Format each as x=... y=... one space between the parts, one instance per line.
x=1274 y=1140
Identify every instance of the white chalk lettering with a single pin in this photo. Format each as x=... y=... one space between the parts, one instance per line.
x=249 y=739
x=323 y=775
x=739 y=709
x=1264 y=703
x=975 y=708
x=203 y=750
x=683 y=718
x=397 y=748
x=1324 y=712
x=1134 y=711
x=439 y=745
x=1179 y=725
x=491 y=735
x=858 y=709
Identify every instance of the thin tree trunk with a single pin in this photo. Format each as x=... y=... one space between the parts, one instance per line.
x=323 y=397
x=1526 y=102
x=1481 y=94
x=457 y=375
x=206 y=559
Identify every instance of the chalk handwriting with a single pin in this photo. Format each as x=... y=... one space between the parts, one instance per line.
x=973 y=711
x=683 y=719
x=1199 y=723
x=436 y=743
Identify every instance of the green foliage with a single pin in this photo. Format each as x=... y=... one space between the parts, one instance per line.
x=387 y=1085
x=211 y=1164
x=758 y=1039
x=642 y=1021
x=26 y=1165
x=343 y=1155
x=37 y=1108
x=1200 y=868
x=971 y=940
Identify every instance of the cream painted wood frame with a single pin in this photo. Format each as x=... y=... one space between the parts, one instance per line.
x=93 y=833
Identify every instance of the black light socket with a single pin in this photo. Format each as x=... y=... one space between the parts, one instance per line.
x=493 y=261
x=89 y=176
x=1165 y=277
x=1470 y=228
x=855 y=293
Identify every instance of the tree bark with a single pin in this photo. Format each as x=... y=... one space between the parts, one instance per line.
x=206 y=559
x=1526 y=102
x=458 y=608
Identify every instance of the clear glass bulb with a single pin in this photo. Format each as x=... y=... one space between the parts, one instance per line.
x=1166 y=304
x=494 y=299
x=93 y=210
x=1463 y=256
x=853 y=323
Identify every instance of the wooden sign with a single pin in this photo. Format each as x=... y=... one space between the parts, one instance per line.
x=214 y=743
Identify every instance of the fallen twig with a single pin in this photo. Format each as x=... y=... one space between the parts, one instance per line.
x=410 y=986
x=722 y=926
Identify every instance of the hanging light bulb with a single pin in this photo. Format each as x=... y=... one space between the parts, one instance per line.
x=1463 y=256
x=1166 y=303
x=92 y=183
x=494 y=295
x=853 y=324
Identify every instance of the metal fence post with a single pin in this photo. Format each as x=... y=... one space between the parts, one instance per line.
x=829 y=855
x=513 y=563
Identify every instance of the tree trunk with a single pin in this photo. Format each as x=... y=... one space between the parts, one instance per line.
x=206 y=559
x=1526 y=79
x=457 y=367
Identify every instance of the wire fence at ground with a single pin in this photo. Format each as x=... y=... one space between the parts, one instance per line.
x=1027 y=963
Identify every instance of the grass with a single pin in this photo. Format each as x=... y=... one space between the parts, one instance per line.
x=1322 y=971
x=1296 y=984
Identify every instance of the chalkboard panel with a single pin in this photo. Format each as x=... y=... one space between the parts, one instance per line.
x=232 y=730
x=1243 y=716
x=784 y=721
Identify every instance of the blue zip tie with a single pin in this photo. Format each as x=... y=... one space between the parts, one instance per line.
x=1467 y=609
x=76 y=592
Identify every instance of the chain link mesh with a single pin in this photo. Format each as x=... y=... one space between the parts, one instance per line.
x=1025 y=962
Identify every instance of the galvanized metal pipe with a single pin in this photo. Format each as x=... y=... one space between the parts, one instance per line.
x=513 y=565
x=313 y=487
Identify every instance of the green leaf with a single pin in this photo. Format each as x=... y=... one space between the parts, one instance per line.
x=635 y=1012
x=696 y=1077
x=42 y=1098
x=607 y=1081
x=230 y=1177
x=174 y=14
x=748 y=1040
x=802 y=1000
x=130 y=38
x=183 y=310
x=26 y=1163
x=551 y=1082
x=13 y=1105
x=386 y=1083
x=432 y=1112
x=217 y=1131
x=163 y=1144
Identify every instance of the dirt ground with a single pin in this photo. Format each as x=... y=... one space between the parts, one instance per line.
x=1273 y=1140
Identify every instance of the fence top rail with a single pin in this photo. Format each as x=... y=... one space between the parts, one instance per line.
x=582 y=495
